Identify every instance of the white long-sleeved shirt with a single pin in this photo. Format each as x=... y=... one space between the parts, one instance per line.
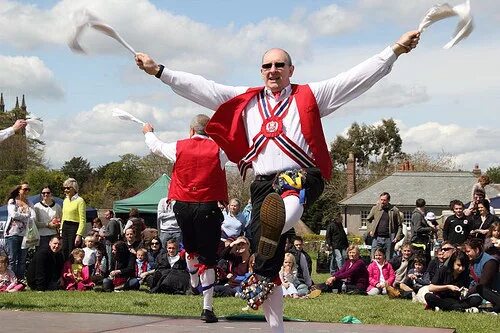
x=44 y=215
x=5 y=133
x=330 y=95
x=166 y=218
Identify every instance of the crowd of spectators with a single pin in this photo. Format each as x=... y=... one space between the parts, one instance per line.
x=460 y=272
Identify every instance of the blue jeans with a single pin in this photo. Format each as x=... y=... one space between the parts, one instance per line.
x=338 y=258
x=165 y=236
x=385 y=243
x=17 y=256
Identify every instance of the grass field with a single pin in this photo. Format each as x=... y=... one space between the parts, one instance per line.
x=326 y=308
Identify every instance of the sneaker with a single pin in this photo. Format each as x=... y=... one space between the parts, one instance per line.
x=393 y=292
x=208 y=316
x=314 y=293
x=437 y=309
x=272 y=221
x=472 y=310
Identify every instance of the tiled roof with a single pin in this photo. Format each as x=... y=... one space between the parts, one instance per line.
x=437 y=188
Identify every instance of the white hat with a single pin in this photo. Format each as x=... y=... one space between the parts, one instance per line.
x=430 y=216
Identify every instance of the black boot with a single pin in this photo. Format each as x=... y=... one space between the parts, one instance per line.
x=208 y=316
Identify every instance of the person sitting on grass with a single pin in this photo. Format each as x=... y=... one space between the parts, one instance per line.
x=131 y=240
x=492 y=241
x=237 y=257
x=289 y=280
x=352 y=276
x=8 y=280
x=380 y=274
x=415 y=278
x=44 y=271
x=171 y=275
x=448 y=287
x=142 y=266
x=484 y=272
x=122 y=274
x=401 y=264
x=76 y=275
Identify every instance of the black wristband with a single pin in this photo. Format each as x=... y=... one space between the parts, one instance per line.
x=158 y=75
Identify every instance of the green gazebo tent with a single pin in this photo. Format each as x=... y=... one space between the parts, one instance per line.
x=146 y=201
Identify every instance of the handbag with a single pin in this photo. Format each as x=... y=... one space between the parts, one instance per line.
x=32 y=236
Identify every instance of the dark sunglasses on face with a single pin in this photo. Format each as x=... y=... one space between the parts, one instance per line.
x=45 y=193
x=66 y=187
x=277 y=65
x=155 y=243
x=446 y=249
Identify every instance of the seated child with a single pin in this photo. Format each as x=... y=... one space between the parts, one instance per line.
x=76 y=275
x=288 y=277
x=8 y=280
x=90 y=251
x=415 y=278
x=380 y=274
x=142 y=267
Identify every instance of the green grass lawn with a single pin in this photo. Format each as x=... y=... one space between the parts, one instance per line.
x=326 y=308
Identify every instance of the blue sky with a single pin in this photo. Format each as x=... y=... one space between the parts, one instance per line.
x=443 y=100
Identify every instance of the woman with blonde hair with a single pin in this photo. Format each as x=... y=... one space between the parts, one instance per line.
x=73 y=218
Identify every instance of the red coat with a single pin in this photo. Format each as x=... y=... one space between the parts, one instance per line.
x=197 y=175
x=70 y=281
x=226 y=126
x=374 y=274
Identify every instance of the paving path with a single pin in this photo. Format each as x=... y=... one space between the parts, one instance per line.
x=56 y=322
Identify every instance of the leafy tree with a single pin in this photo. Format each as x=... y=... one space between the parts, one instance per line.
x=78 y=168
x=494 y=174
x=39 y=177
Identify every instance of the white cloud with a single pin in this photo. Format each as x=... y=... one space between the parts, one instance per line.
x=468 y=145
x=28 y=75
x=333 y=20
x=101 y=138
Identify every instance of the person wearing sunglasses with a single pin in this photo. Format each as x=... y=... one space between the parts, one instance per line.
x=20 y=215
x=48 y=217
x=276 y=129
x=73 y=218
x=9 y=131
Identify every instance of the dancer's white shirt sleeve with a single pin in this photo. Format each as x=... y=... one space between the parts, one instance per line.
x=197 y=89
x=5 y=133
x=337 y=91
x=169 y=150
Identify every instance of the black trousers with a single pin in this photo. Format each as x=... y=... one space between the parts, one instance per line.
x=259 y=189
x=452 y=304
x=68 y=235
x=490 y=295
x=200 y=224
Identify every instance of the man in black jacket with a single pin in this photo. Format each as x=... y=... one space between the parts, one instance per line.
x=336 y=239
x=44 y=271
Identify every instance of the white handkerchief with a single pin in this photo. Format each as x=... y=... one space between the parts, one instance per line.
x=439 y=12
x=34 y=129
x=84 y=19
x=124 y=115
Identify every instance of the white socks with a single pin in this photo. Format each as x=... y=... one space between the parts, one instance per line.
x=208 y=279
x=193 y=271
x=273 y=310
x=293 y=212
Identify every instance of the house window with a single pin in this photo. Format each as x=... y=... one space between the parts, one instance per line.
x=364 y=222
x=407 y=218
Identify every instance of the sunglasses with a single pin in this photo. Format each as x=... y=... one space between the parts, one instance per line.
x=45 y=193
x=66 y=187
x=155 y=243
x=277 y=65
x=446 y=249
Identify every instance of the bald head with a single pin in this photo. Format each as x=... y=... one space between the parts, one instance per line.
x=198 y=124
x=278 y=51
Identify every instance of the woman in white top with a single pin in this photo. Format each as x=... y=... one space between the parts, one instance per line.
x=48 y=216
x=20 y=215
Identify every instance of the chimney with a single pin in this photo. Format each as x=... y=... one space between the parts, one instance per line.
x=476 y=171
x=351 y=175
x=2 y=104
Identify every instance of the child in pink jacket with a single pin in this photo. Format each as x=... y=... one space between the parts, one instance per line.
x=380 y=274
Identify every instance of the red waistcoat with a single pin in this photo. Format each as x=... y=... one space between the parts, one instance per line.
x=226 y=126
x=197 y=175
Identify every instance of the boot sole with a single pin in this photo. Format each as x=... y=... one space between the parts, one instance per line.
x=272 y=221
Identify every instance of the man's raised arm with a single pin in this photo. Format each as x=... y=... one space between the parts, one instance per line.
x=192 y=87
